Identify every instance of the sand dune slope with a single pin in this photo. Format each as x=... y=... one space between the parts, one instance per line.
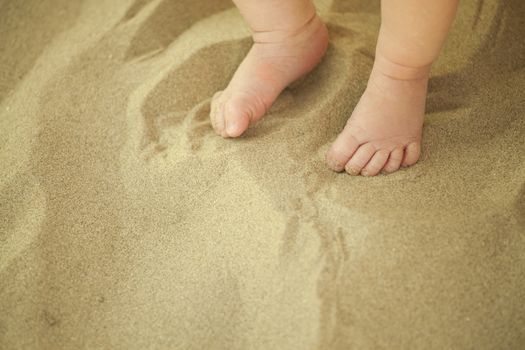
x=126 y=223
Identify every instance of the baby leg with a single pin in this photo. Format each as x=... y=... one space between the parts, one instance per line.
x=385 y=129
x=289 y=41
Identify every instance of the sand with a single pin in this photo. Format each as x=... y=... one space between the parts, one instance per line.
x=126 y=223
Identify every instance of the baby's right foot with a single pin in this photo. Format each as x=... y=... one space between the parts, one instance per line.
x=276 y=59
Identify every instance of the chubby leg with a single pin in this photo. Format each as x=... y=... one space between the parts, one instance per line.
x=289 y=41
x=385 y=129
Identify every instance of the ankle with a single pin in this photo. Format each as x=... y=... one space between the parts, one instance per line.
x=300 y=32
x=398 y=70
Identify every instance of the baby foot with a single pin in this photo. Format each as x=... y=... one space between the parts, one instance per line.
x=384 y=131
x=275 y=60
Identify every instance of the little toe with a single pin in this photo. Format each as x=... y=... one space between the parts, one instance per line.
x=412 y=153
x=341 y=150
x=394 y=160
x=375 y=164
x=359 y=159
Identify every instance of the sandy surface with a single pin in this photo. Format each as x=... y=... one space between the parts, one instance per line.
x=126 y=223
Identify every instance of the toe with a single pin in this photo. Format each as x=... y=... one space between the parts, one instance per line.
x=359 y=159
x=236 y=119
x=412 y=152
x=394 y=160
x=375 y=164
x=341 y=150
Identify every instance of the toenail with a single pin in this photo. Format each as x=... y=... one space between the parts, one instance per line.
x=334 y=164
x=364 y=173
x=231 y=127
x=352 y=172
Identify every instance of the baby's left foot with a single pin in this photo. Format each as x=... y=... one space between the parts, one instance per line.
x=384 y=131
x=276 y=59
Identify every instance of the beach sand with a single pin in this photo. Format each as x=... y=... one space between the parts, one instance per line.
x=126 y=223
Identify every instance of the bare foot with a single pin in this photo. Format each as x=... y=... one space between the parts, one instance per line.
x=384 y=131
x=275 y=60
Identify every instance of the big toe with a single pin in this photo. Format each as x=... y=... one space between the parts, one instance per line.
x=230 y=116
x=341 y=150
x=236 y=119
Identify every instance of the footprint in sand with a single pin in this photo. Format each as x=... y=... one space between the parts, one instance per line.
x=177 y=108
x=172 y=103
